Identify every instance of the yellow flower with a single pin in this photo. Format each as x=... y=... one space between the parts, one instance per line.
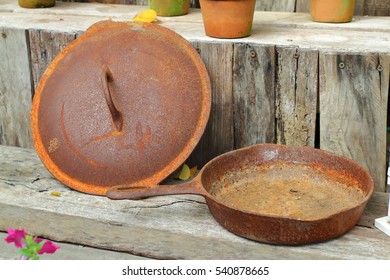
x=146 y=16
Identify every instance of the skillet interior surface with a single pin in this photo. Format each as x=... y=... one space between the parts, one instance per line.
x=284 y=194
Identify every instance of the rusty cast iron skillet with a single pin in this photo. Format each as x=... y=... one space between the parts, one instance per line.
x=277 y=229
x=125 y=103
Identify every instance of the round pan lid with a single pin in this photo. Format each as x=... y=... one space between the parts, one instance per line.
x=125 y=103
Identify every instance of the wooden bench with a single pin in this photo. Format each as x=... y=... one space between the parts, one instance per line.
x=166 y=227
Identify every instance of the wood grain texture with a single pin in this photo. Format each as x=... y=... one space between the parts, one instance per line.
x=357 y=86
x=377 y=7
x=15 y=88
x=254 y=94
x=359 y=7
x=44 y=47
x=166 y=227
x=276 y=5
x=219 y=135
x=302 y=6
x=296 y=96
x=378 y=205
x=362 y=7
x=138 y=2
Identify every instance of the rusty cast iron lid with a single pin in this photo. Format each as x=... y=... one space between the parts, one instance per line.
x=125 y=103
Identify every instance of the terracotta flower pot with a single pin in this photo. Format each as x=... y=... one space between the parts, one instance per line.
x=36 y=3
x=332 y=10
x=168 y=8
x=228 y=18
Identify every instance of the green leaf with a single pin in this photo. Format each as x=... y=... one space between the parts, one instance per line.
x=185 y=173
x=32 y=248
x=25 y=252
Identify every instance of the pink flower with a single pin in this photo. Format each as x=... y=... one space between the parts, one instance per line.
x=48 y=247
x=17 y=236
x=30 y=246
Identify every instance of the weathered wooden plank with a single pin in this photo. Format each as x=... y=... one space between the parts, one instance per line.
x=303 y=6
x=378 y=205
x=44 y=47
x=166 y=227
x=193 y=3
x=136 y=2
x=254 y=94
x=68 y=252
x=292 y=29
x=353 y=108
x=359 y=7
x=362 y=7
x=276 y=5
x=296 y=96
x=15 y=88
x=377 y=7
x=298 y=29
x=219 y=135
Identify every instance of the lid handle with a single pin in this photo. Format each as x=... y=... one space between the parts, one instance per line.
x=116 y=115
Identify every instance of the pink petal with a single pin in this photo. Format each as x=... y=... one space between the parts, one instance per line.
x=48 y=248
x=38 y=240
x=17 y=236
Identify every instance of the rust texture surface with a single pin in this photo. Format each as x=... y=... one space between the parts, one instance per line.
x=286 y=217
x=124 y=103
x=275 y=193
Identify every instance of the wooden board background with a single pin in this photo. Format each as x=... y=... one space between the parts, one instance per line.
x=15 y=88
x=253 y=94
x=362 y=7
x=354 y=125
x=296 y=96
x=287 y=83
x=44 y=47
x=282 y=85
x=218 y=137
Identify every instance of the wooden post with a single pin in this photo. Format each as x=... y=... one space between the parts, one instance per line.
x=44 y=47
x=302 y=6
x=377 y=7
x=354 y=92
x=296 y=97
x=218 y=137
x=254 y=94
x=276 y=5
x=15 y=88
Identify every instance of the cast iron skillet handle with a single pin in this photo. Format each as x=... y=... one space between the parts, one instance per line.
x=116 y=116
x=140 y=192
